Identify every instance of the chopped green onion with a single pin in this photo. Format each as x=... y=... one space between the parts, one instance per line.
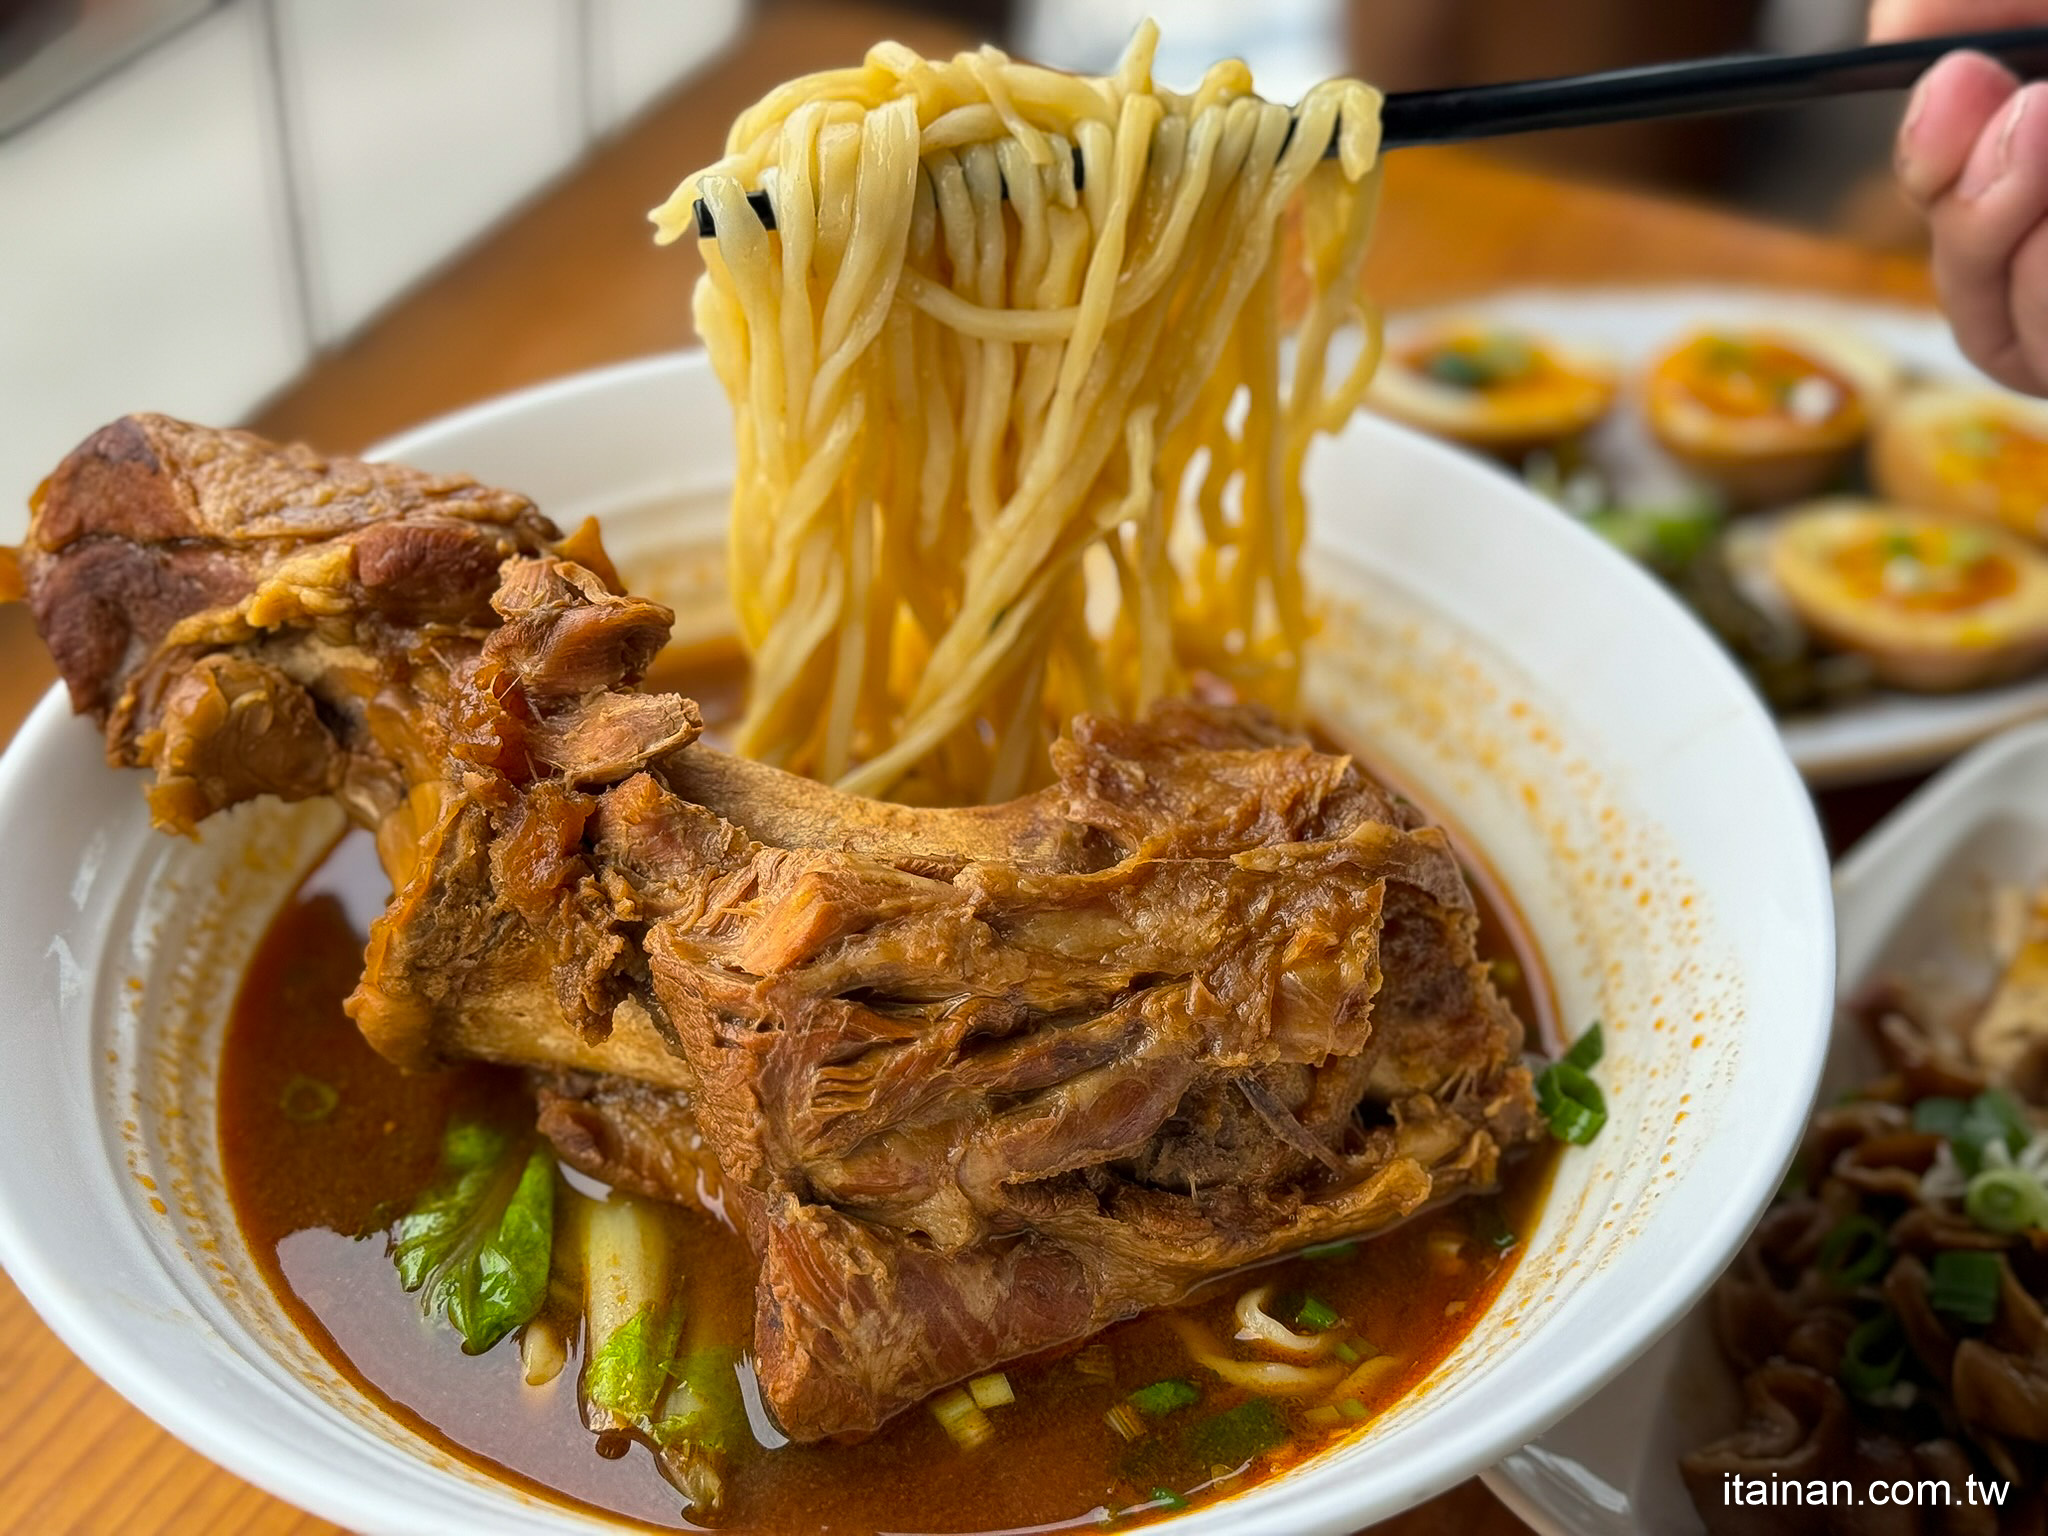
x=1966 y=546
x=1969 y=1128
x=1965 y=1284
x=1995 y=1107
x=1125 y=1421
x=1941 y=1117
x=1977 y=439
x=1572 y=1102
x=1164 y=1397
x=961 y=1419
x=1096 y=1362
x=1586 y=1051
x=2006 y=1200
x=1457 y=368
x=1854 y=1253
x=1166 y=1498
x=1873 y=1356
x=307 y=1100
x=1316 y=1314
x=1494 y=360
x=991 y=1391
x=1723 y=354
x=1329 y=1251
x=1346 y=1353
x=1352 y=1409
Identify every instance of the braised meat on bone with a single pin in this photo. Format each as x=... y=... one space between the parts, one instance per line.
x=972 y=1082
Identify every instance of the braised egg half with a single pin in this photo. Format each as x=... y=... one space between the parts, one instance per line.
x=1935 y=603
x=1766 y=414
x=1971 y=451
x=1504 y=390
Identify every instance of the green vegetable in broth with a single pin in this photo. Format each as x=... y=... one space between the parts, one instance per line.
x=1234 y=1436
x=1163 y=1397
x=476 y=1243
x=628 y=1371
x=654 y=1367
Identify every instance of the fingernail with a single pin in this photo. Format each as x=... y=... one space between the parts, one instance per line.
x=1984 y=169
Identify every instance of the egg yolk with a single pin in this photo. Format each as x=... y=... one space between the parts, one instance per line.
x=1756 y=377
x=2012 y=461
x=1925 y=570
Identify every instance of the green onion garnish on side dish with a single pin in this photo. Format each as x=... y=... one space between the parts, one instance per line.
x=1854 y=1253
x=2006 y=1200
x=1462 y=370
x=1873 y=1356
x=1965 y=1284
x=1572 y=1102
x=1164 y=1397
x=1970 y=1127
x=1317 y=1314
x=1996 y=1113
x=1940 y=1117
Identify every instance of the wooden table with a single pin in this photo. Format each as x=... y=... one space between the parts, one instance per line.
x=572 y=282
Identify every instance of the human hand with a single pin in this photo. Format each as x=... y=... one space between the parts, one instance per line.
x=1972 y=153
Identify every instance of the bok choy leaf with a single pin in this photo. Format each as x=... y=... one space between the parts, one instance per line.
x=655 y=1364
x=476 y=1243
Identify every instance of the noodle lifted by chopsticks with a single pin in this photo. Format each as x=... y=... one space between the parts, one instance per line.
x=957 y=376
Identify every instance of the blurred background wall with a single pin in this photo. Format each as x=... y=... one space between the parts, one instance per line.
x=201 y=196
x=197 y=196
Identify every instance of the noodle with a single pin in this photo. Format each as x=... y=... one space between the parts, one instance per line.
x=1015 y=442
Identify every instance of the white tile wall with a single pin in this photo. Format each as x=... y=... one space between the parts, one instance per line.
x=182 y=235
x=145 y=260
x=413 y=126
x=639 y=48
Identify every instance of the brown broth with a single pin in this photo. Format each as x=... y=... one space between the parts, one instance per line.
x=316 y=1197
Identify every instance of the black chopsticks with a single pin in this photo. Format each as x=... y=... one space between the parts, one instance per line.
x=1695 y=87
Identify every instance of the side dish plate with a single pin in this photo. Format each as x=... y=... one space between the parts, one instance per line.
x=1872 y=737
x=1903 y=899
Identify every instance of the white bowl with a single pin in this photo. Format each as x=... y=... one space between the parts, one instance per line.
x=1562 y=711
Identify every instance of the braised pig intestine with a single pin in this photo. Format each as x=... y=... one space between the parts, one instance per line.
x=1839 y=1280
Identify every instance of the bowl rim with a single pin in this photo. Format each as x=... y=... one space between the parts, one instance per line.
x=1318 y=1496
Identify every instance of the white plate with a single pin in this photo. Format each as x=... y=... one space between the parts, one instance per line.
x=1887 y=732
x=1906 y=899
x=1634 y=797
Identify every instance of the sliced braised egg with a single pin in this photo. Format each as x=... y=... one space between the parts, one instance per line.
x=1766 y=413
x=1500 y=389
x=1935 y=603
x=1970 y=451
